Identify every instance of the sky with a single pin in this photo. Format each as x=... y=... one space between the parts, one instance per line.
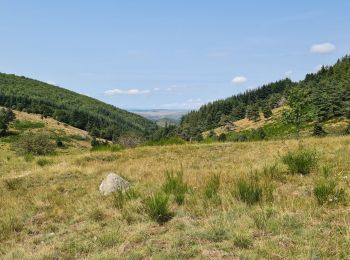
x=169 y=54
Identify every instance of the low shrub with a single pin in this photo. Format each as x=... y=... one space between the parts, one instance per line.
x=212 y=188
x=249 y=192
x=157 y=207
x=301 y=161
x=326 y=192
x=35 y=144
x=175 y=185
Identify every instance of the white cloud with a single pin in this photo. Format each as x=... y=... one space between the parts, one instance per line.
x=239 y=80
x=323 y=48
x=156 y=89
x=117 y=91
x=51 y=82
x=288 y=73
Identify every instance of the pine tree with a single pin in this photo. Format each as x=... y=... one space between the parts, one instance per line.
x=266 y=109
x=253 y=112
x=238 y=111
x=6 y=117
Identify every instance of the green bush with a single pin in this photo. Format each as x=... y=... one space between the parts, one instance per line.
x=175 y=185
x=318 y=130
x=212 y=188
x=157 y=207
x=301 y=161
x=249 y=192
x=35 y=144
x=326 y=192
x=43 y=162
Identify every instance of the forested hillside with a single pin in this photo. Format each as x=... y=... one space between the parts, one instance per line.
x=235 y=108
x=80 y=111
x=326 y=94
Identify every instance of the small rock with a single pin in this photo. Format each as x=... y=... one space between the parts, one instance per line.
x=113 y=182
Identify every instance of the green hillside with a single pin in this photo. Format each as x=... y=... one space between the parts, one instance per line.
x=323 y=95
x=80 y=111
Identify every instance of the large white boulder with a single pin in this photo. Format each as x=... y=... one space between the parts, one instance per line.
x=113 y=182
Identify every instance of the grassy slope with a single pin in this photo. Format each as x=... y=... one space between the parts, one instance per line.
x=57 y=211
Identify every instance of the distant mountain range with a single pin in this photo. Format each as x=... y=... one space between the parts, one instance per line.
x=160 y=116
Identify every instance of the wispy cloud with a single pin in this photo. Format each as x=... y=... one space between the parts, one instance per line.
x=323 y=48
x=239 y=80
x=113 y=92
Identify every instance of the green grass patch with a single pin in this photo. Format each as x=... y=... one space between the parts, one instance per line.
x=211 y=189
x=301 y=161
x=326 y=192
x=175 y=185
x=43 y=162
x=107 y=148
x=157 y=208
x=249 y=191
x=24 y=125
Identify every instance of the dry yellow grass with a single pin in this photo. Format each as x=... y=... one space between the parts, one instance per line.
x=50 y=123
x=56 y=211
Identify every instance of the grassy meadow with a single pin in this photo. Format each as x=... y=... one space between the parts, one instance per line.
x=240 y=202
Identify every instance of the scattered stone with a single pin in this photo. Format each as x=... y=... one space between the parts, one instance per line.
x=112 y=183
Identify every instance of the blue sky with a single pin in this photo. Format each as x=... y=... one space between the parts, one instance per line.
x=169 y=54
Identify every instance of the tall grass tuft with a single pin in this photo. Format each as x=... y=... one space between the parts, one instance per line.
x=157 y=207
x=175 y=185
x=249 y=192
x=120 y=197
x=301 y=161
x=326 y=192
x=212 y=188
